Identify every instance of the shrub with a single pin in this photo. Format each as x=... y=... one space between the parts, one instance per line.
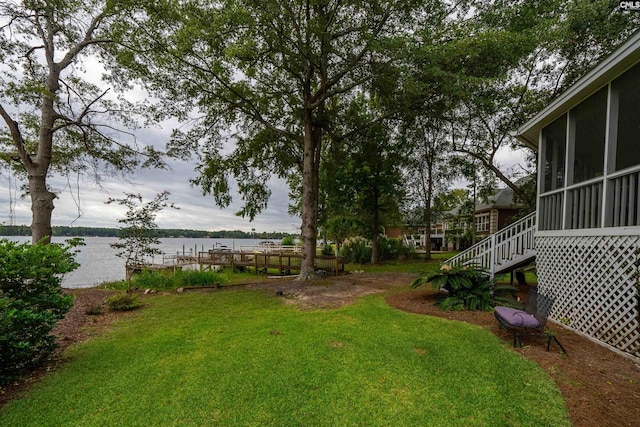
x=464 y=287
x=288 y=241
x=393 y=249
x=356 y=250
x=327 y=250
x=152 y=280
x=94 y=310
x=31 y=302
x=160 y=281
x=123 y=302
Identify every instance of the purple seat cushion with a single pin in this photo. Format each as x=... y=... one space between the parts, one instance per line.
x=517 y=318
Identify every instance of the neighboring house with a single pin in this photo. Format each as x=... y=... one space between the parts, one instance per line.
x=494 y=214
x=489 y=217
x=456 y=229
x=419 y=240
x=588 y=210
x=395 y=232
x=451 y=231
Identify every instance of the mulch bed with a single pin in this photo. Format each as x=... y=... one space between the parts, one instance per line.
x=600 y=387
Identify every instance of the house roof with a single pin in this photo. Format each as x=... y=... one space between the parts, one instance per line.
x=627 y=55
x=503 y=198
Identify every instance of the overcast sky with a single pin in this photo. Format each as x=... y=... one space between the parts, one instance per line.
x=82 y=203
x=87 y=207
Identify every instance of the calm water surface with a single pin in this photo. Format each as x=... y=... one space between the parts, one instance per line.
x=99 y=263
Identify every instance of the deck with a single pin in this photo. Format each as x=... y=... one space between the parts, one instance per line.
x=284 y=263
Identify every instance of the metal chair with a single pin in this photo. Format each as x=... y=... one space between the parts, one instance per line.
x=532 y=319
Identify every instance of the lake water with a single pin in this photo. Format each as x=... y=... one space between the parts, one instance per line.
x=99 y=263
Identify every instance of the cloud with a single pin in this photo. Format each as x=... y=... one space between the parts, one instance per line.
x=86 y=206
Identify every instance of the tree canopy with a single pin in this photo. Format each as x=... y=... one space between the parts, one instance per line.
x=269 y=76
x=57 y=120
x=566 y=39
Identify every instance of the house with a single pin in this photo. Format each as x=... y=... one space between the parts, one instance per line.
x=419 y=239
x=451 y=230
x=494 y=214
x=394 y=232
x=588 y=209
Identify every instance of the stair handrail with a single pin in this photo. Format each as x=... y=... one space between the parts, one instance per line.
x=519 y=236
x=516 y=239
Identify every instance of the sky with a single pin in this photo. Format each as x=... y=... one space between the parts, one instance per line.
x=82 y=203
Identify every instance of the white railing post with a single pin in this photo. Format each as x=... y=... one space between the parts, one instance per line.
x=493 y=253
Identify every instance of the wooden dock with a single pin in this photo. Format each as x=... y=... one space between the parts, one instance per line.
x=284 y=263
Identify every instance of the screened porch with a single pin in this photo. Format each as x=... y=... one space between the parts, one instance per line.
x=590 y=161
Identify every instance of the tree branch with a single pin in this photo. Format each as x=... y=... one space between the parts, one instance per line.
x=16 y=136
x=87 y=41
x=81 y=116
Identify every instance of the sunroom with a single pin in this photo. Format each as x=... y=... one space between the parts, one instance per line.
x=588 y=235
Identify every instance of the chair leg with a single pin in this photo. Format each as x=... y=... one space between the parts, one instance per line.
x=553 y=337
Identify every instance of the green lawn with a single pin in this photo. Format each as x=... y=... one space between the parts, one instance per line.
x=244 y=358
x=407 y=266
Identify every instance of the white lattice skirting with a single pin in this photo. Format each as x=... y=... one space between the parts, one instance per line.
x=595 y=283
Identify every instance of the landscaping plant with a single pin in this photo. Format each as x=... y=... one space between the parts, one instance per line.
x=356 y=250
x=164 y=281
x=31 y=302
x=394 y=249
x=138 y=238
x=463 y=288
x=124 y=301
x=327 y=250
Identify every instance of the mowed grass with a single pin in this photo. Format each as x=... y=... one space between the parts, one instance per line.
x=245 y=358
x=411 y=266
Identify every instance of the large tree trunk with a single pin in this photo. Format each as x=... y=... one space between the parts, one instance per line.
x=41 y=197
x=375 y=242
x=427 y=212
x=41 y=208
x=310 y=170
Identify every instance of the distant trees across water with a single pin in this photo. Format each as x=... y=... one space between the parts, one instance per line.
x=24 y=230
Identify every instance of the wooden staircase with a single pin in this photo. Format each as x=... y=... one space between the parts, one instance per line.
x=506 y=250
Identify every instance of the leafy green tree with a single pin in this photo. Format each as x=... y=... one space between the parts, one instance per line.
x=375 y=174
x=138 y=237
x=56 y=121
x=428 y=169
x=338 y=228
x=31 y=302
x=265 y=75
x=566 y=39
x=438 y=79
x=288 y=241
